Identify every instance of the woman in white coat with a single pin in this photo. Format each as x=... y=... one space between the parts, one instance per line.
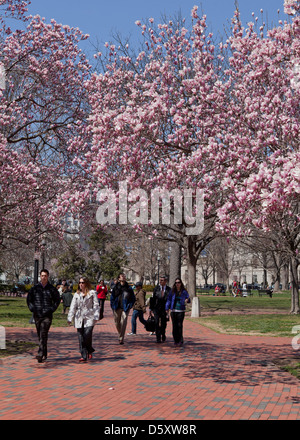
x=85 y=311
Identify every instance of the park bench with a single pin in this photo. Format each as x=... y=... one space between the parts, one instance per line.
x=203 y=289
x=262 y=292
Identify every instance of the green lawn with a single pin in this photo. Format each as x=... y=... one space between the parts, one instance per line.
x=15 y=313
x=268 y=325
x=242 y=314
x=281 y=301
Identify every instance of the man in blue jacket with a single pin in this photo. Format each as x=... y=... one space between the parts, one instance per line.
x=42 y=300
x=122 y=299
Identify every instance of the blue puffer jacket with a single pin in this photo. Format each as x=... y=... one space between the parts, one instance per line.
x=171 y=300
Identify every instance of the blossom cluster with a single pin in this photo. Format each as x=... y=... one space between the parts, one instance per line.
x=40 y=105
x=184 y=113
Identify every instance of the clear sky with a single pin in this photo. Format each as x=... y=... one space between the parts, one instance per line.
x=100 y=18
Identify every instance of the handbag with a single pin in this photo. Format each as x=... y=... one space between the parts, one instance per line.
x=150 y=324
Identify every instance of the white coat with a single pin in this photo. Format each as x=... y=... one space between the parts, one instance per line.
x=85 y=309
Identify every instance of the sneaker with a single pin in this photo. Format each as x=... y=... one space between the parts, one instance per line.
x=131 y=333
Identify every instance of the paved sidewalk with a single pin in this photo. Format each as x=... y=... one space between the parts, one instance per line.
x=212 y=376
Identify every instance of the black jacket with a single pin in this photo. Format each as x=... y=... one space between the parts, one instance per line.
x=157 y=303
x=43 y=301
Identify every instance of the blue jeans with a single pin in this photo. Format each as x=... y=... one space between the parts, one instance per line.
x=137 y=314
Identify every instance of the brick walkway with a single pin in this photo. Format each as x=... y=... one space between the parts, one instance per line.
x=212 y=376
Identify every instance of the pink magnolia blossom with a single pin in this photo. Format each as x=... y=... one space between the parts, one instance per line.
x=291 y=6
x=40 y=107
x=265 y=187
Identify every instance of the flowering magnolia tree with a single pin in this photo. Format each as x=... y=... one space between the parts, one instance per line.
x=263 y=183
x=156 y=120
x=182 y=115
x=40 y=106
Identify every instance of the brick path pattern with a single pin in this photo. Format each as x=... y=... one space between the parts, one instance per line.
x=213 y=376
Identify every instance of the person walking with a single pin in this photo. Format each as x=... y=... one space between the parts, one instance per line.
x=139 y=307
x=85 y=311
x=42 y=300
x=62 y=287
x=66 y=298
x=122 y=299
x=101 y=293
x=158 y=308
x=176 y=301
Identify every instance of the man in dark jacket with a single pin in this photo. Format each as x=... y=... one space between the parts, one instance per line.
x=158 y=308
x=42 y=300
x=122 y=299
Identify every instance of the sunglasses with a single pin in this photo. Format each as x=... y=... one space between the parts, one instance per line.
x=177 y=282
x=81 y=282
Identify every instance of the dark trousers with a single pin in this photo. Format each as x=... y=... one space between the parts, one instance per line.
x=177 y=322
x=160 y=325
x=42 y=327
x=101 y=304
x=85 y=336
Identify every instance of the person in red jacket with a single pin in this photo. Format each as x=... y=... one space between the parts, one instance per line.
x=101 y=293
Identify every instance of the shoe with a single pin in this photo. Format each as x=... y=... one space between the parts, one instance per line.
x=90 y=356
x=39 y=359
x=121 y=342
x=82 y=360
x=163 y=338
x=129 y=334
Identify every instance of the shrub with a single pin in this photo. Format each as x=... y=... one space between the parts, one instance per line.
x=148 y=287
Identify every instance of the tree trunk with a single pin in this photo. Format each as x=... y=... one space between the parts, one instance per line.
x=205 y=276
x=227 y=285
x=277 y=258
x=265 y=280
x=276 y=285
x=295 y=308
x=191 y=260
x=285 y=277
x=175 y=262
